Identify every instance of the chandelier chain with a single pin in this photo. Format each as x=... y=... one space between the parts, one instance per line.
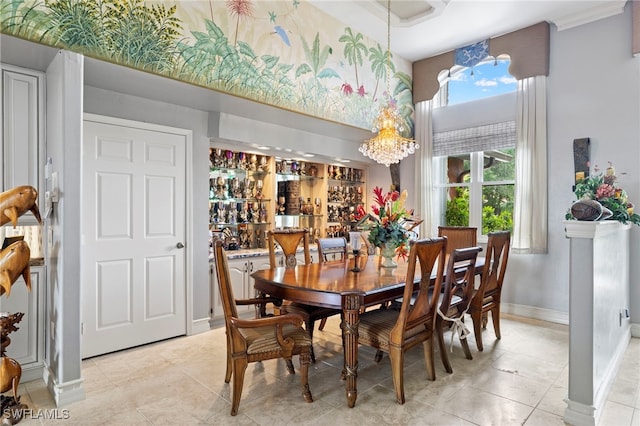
x=388 y=146
x=388 y=55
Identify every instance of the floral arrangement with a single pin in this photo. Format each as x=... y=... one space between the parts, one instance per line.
x=389 y=213
x=602 y=187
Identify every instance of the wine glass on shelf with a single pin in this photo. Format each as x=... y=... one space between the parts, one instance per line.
x=356 y=244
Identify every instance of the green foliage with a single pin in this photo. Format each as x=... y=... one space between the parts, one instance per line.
x=378 y=59
x=496 y=222
x=148 y=36
x=23 y=18
x=403 y=95
x=354 y=49
x=603 y=189
x=457 y=213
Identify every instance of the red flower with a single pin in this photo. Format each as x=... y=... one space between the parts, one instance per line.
x=361 y=91
x=347 y=89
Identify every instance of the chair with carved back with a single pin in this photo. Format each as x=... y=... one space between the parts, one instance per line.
x=459 y=237
x=258 y=339
x=396 y=331
x=289 y=240
x=455 y=299
x=487 y=297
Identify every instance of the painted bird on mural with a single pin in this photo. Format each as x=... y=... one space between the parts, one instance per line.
x=282 y=33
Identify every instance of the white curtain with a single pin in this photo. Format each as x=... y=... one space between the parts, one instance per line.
x=530 y=211
x=424 y=184
x=424 y=162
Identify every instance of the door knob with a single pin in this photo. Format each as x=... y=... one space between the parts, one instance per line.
x=180 y=245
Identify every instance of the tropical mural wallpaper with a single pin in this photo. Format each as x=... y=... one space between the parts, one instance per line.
x=286 y=53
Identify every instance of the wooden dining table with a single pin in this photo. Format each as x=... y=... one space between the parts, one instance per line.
x=334 y=285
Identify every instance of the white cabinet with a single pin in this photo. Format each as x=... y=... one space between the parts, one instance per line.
x=27 y=343
x=240 y=271
x=22 y=131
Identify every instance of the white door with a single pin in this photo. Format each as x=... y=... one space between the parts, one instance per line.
x=133 y=231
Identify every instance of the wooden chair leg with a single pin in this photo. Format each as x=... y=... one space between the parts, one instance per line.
x=485 y=319
x=378 y=356
x=323 y=322
x=309 y=326
x=227 y=374
x=290 y=368
x=305 y=360
x=495 y=317
x=239 y=367
x=397 y=371
x=465 y=348
x=428 y=357
x=476 y=317
x=441 y=345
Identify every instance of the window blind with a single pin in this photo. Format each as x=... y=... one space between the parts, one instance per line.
x=487 y=137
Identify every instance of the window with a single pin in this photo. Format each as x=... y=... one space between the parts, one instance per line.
x=476 y=189
x=474 y=150
x=489 y=78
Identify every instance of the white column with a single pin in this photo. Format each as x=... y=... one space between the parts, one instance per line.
x=599 y=330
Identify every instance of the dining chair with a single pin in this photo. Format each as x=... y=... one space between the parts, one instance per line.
x=258 y=339
x=459 y=237
x=396 y=331
x=487 y=297
x=456 y=297
x=332 y=248
x=289 y=240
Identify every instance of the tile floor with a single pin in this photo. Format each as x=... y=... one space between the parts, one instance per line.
x=521 y=379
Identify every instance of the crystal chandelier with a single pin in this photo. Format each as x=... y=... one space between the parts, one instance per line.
x=388 y=147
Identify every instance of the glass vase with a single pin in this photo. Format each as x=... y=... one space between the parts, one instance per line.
x=388 y=253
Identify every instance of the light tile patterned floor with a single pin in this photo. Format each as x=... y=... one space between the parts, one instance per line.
x=521 y=379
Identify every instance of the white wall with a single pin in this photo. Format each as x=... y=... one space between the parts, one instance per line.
x=593 y=91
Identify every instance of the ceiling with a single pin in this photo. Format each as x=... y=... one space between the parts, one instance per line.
x=424 y=28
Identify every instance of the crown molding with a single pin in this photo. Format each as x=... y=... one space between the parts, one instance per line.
x=605 y=10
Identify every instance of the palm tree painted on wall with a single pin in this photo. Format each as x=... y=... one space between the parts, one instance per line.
x=354 y=50
x=151 y=36
x=379 y=61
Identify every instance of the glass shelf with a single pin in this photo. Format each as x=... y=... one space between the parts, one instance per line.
x=235 y=225
x=293 y=176
x=229 y=171
x=239 y=200
x=299 y=215
x=347 y=182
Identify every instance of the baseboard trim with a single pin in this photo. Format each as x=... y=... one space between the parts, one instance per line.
x=579 y=414
x=31 y=373
x=65 y=393
x=635 y=330
x=200 y=326
x=536 y=313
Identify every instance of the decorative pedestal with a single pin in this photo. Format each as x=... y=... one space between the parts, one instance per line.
x=599 y=328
